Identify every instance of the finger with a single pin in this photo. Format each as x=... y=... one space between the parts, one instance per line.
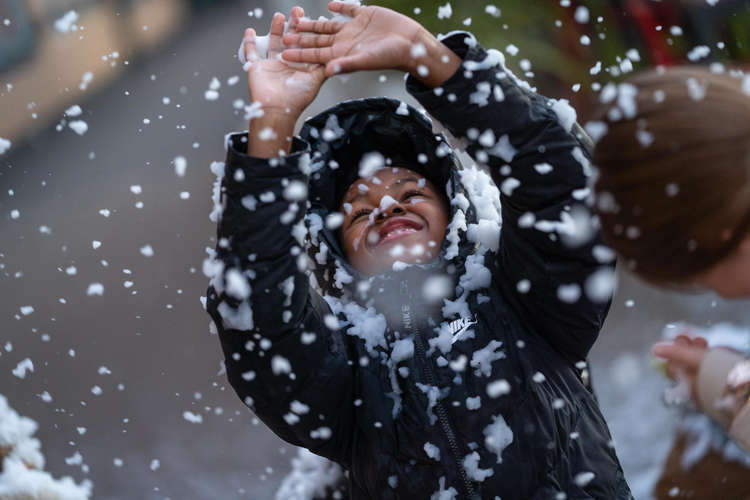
x=251 y=54
x=346 y=8
x=296 y=15
x=323 y=27
x=700 y=342
x=307 y=41
x=274 y=38
x=689 y=356
x=344 y=65
x=314 y=56
x=682 y=340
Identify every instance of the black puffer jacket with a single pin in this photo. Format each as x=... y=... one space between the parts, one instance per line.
x=482 y=395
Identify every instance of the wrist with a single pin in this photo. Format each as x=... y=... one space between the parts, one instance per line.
x=435 y=64
x=270 y=135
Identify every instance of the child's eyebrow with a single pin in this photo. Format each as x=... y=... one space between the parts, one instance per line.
x=404 y=180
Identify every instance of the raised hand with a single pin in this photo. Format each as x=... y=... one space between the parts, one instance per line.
x=375 y=38
x=683 y=356
x=284 y=89
x=278 y=84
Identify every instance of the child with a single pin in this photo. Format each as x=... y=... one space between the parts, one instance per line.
x=435 y=357
x=673 y=195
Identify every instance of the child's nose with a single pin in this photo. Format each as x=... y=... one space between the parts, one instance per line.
x=392 y=211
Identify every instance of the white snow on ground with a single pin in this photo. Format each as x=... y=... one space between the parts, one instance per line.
x=629 y=392
x=21 y=474
x=310 y=477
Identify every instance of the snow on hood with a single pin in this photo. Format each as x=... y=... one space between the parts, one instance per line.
x=342 y=135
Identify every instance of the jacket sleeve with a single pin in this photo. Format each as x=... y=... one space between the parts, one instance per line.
x=551 y=264
x=280 y=357
x=711 y=383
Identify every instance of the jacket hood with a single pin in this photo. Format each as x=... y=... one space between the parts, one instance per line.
x=340 y=137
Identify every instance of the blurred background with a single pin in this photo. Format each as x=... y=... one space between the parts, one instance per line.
x=104 y=221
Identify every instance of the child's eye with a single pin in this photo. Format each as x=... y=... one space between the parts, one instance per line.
x=410 y=194
x=359 y=213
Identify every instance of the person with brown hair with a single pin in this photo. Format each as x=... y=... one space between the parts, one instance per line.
x=673 y=198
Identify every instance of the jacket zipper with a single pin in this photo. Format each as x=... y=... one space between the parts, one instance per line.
x=430 y=378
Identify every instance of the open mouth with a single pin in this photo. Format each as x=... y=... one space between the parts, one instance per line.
x=392 y=230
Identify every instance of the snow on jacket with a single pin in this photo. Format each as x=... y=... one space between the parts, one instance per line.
x=482 y=395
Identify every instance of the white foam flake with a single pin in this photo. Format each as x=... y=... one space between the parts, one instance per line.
x=445 y=11
x=745 y=89
x=432 y=451
x=66 y=23
x=566 y=114
x=569 y=293
x=95 y=289
x=86 y=78
x=645 y=138
x=696 y=89
x=600 y=285
x=582 y=479
x=74 y=110
x=626 y=94
x=543 y=168
x=698 y=52
x=471 y=466
x=280 y=365
x=311 y=477
x=582 y=14
x=492 y=10
x=4 y=145
x=80 y=127
x=180 y=166
x=23 y=367
x=437 y=288
x=442 y=493
x=295 y=191
x=498 y=388
x=497 y=436
x=237 y=285
x=596 y=130
x=193 y=418
x=370 y=163
x=147 y=251
x=482 y=359
x=22 y=473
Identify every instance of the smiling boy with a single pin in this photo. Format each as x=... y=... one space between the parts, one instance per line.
x=434 y=355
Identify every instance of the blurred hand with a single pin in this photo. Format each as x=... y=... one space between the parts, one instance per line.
x=376 y=38
x=683 y=355
x=276 y=83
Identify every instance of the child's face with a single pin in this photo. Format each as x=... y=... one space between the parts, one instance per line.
x=394 y=215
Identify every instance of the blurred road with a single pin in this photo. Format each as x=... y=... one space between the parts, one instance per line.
x=153 y=337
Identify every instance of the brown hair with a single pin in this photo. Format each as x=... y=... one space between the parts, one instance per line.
x=673 y=187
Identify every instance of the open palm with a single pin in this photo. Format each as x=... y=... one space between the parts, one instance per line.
x=375 y=38
x=277 y=83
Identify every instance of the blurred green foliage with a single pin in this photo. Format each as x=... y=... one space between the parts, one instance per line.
x=545 y=32
x=548 y=35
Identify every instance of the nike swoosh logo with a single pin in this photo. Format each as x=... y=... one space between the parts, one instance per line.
x=461 y=331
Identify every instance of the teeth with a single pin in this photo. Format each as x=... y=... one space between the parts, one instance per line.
x=400 y=231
